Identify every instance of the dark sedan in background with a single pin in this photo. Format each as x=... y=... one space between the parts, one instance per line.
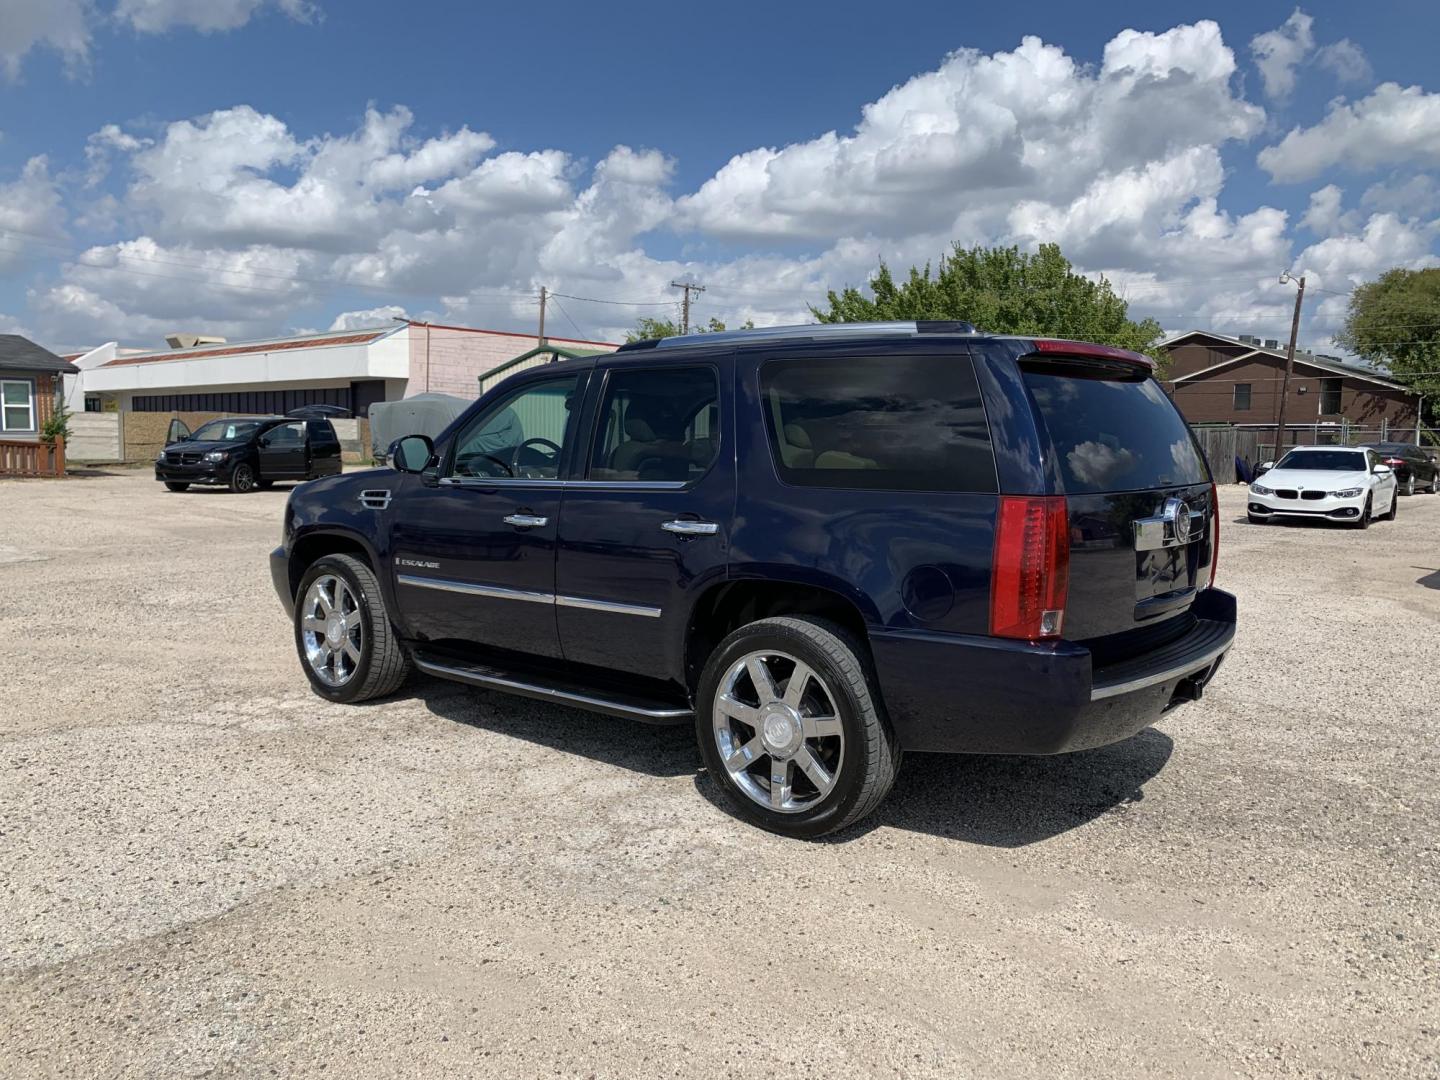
x=1414 y=466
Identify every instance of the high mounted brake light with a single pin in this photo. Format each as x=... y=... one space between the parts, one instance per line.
x=1031 y=574
x=1086 y=350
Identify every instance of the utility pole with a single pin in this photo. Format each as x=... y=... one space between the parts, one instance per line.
x=1285 y=279
x=685 y=304
x=544 y=293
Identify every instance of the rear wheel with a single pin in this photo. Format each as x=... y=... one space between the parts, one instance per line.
x=176 y=487
x=347 y=646
x=1410 y=484
x=242 y=479
x=792 y=728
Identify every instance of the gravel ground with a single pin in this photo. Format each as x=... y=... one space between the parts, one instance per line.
x=205 y=870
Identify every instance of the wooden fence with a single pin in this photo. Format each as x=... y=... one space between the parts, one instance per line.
x=1222 y=445
x=32 y=459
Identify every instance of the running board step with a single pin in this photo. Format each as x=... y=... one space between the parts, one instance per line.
x=645 y=710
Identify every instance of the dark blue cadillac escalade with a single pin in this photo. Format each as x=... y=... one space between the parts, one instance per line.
x=822 y=545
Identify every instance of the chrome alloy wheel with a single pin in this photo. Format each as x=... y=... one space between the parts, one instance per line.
x=332 y=629
x=779 y=731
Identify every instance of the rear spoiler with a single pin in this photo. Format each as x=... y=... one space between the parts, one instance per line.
x=318 y=412
x=1084 y=350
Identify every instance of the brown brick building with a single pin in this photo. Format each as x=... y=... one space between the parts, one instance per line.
x=29 y=385
x=1218 y=379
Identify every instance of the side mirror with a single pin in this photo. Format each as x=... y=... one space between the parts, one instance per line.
x=412 y=454
x=1263 y=468
x=1383 y=470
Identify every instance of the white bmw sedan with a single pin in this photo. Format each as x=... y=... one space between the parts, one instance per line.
x=1332 y=482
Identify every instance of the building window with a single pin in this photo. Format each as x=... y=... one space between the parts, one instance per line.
x=92 y=403
x=1330 y=396
x=1242 y=397
x=17 y=405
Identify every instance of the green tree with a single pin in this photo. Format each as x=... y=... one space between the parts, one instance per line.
x=1002 y=290
x=1395 y=321
x=647 y=328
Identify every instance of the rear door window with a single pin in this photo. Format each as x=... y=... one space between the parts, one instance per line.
x=897 y=423
x=1113 y=433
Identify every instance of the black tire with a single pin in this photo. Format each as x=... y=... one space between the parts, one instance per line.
x=384 y=664
x=1409 y=485
x=872 y=753
x=242 y=479
x=1364 y=520
x=1389 y=515
x=169 y=486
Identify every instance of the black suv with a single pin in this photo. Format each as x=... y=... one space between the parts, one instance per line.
x=821 y=545
x=250 y=452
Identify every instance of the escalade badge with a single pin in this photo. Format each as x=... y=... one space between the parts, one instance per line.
x=1177 y=515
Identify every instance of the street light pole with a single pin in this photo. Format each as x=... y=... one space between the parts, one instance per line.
x=1285 y=279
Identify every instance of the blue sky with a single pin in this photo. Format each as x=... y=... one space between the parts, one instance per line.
x=260 y=166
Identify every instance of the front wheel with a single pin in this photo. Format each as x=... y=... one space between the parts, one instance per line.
x=176 y=487
x=792 y=728
x=1364 y=520
x=1389 y=515
x=348 y=648
x=242 y=479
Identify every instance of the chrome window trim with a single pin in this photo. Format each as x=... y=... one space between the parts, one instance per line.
x=608 y=605
x=593 y=485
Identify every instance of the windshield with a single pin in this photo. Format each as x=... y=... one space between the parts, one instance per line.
x=225 y=431
x=1324 y=460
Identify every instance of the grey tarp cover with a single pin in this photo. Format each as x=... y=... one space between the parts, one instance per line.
x=423 y=414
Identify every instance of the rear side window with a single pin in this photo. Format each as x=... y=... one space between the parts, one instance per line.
x=897 y=423
x=1114 y=434
x=321 y=431
x=657 y=425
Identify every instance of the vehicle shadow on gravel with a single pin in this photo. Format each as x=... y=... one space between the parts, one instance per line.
x=646 y=748
x=995 y=801
x=1014 y=801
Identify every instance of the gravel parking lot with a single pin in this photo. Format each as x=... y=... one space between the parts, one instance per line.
x=205 y=870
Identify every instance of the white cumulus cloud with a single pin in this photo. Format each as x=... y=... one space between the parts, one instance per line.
x=1280 y=51
x=1393 y=125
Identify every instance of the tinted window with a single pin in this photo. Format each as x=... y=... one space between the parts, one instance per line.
x=1242 y=396
x=321 y=431
x=1114 y=434
x=1328 y=460
x=522 y=435
x=901 y=423
x=226 y=431
x=286 y=434
x=657 y=425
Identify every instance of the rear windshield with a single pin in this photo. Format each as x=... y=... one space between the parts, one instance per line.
x=1324 y=460
x=1114 y=434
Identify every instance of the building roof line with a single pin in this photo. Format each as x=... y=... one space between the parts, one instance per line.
x=507 y=333
x=1307 y=358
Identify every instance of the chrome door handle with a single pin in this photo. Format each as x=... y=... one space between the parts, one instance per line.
x=691 y=528
x=526 y=521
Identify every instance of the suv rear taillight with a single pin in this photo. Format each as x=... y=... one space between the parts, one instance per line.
x=1215 y=534
x=1031 y=574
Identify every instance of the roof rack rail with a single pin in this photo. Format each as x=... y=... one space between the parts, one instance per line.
x=802 y=332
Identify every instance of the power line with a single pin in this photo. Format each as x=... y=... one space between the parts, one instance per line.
x=578 y=334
